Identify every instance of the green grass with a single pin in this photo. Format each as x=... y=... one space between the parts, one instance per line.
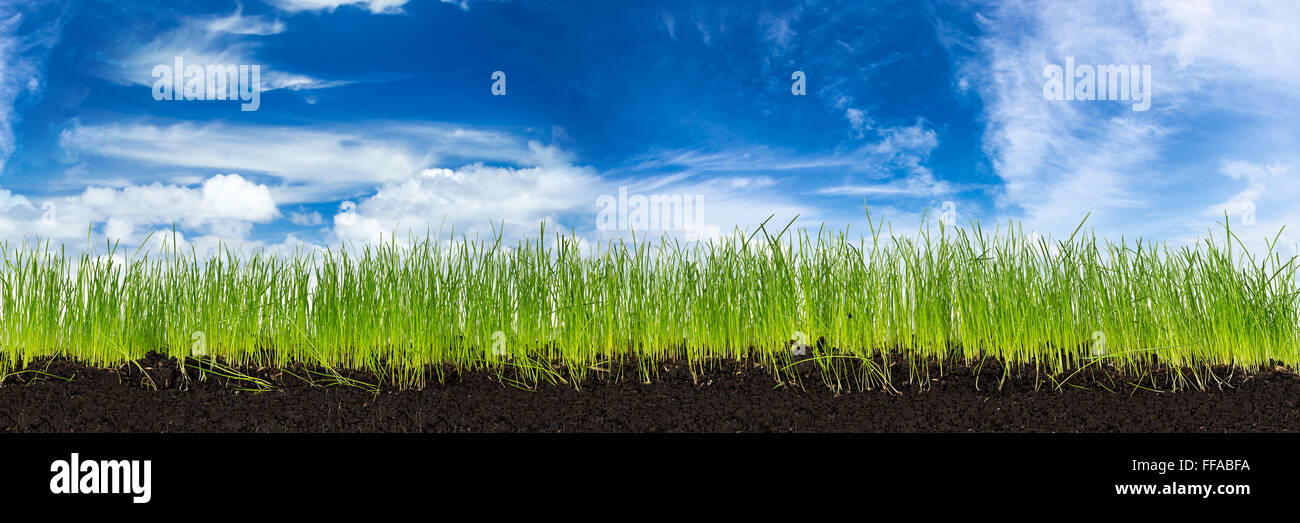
x=409 y=311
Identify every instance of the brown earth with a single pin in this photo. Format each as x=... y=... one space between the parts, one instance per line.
x=730 y=397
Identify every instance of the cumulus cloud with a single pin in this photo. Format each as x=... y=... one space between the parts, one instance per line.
x=548 y=185
x=469 y=197
x=223 y=205
x=394 y=179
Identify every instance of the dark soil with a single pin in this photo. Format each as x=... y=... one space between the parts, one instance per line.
x=730 y=397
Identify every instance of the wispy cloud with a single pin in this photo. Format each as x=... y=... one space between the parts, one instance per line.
x=212 y=40
x=238 y=23
x=1060 y=160
x=374 y=6
x=17 y=76
x=1265 y=206
x=306 y=218
x=24 y=45
x=341 y=163
x=670 y=24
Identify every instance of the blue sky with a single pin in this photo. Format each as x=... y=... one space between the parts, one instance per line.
x=378 y=116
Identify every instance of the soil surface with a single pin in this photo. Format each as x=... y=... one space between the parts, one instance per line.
x=153 y=395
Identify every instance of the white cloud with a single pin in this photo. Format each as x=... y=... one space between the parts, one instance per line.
x=9 y=200
x=739 y=188
x=237 y=23
x=1032 y=142
x=206 y=246
x=688 y=163
x=21 y=59
x=218 y=40
x=777 y=30
x=472 y=197
x=374 y=6
x=12 y=80
x=902 y=149
x=755 y=182
x=914 y=141
x=549 y=187
x=670 y=24
x=306 y=219
x=918 y=184
x=728 y=203
x=857 y=120
x=341 y=163
x=1263 y=207
x=462 y=4
x=11 y=203
x=1262 y=181
x=224 y=205
x=1252 y=41
x=394 y=173
x=1060 y=160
